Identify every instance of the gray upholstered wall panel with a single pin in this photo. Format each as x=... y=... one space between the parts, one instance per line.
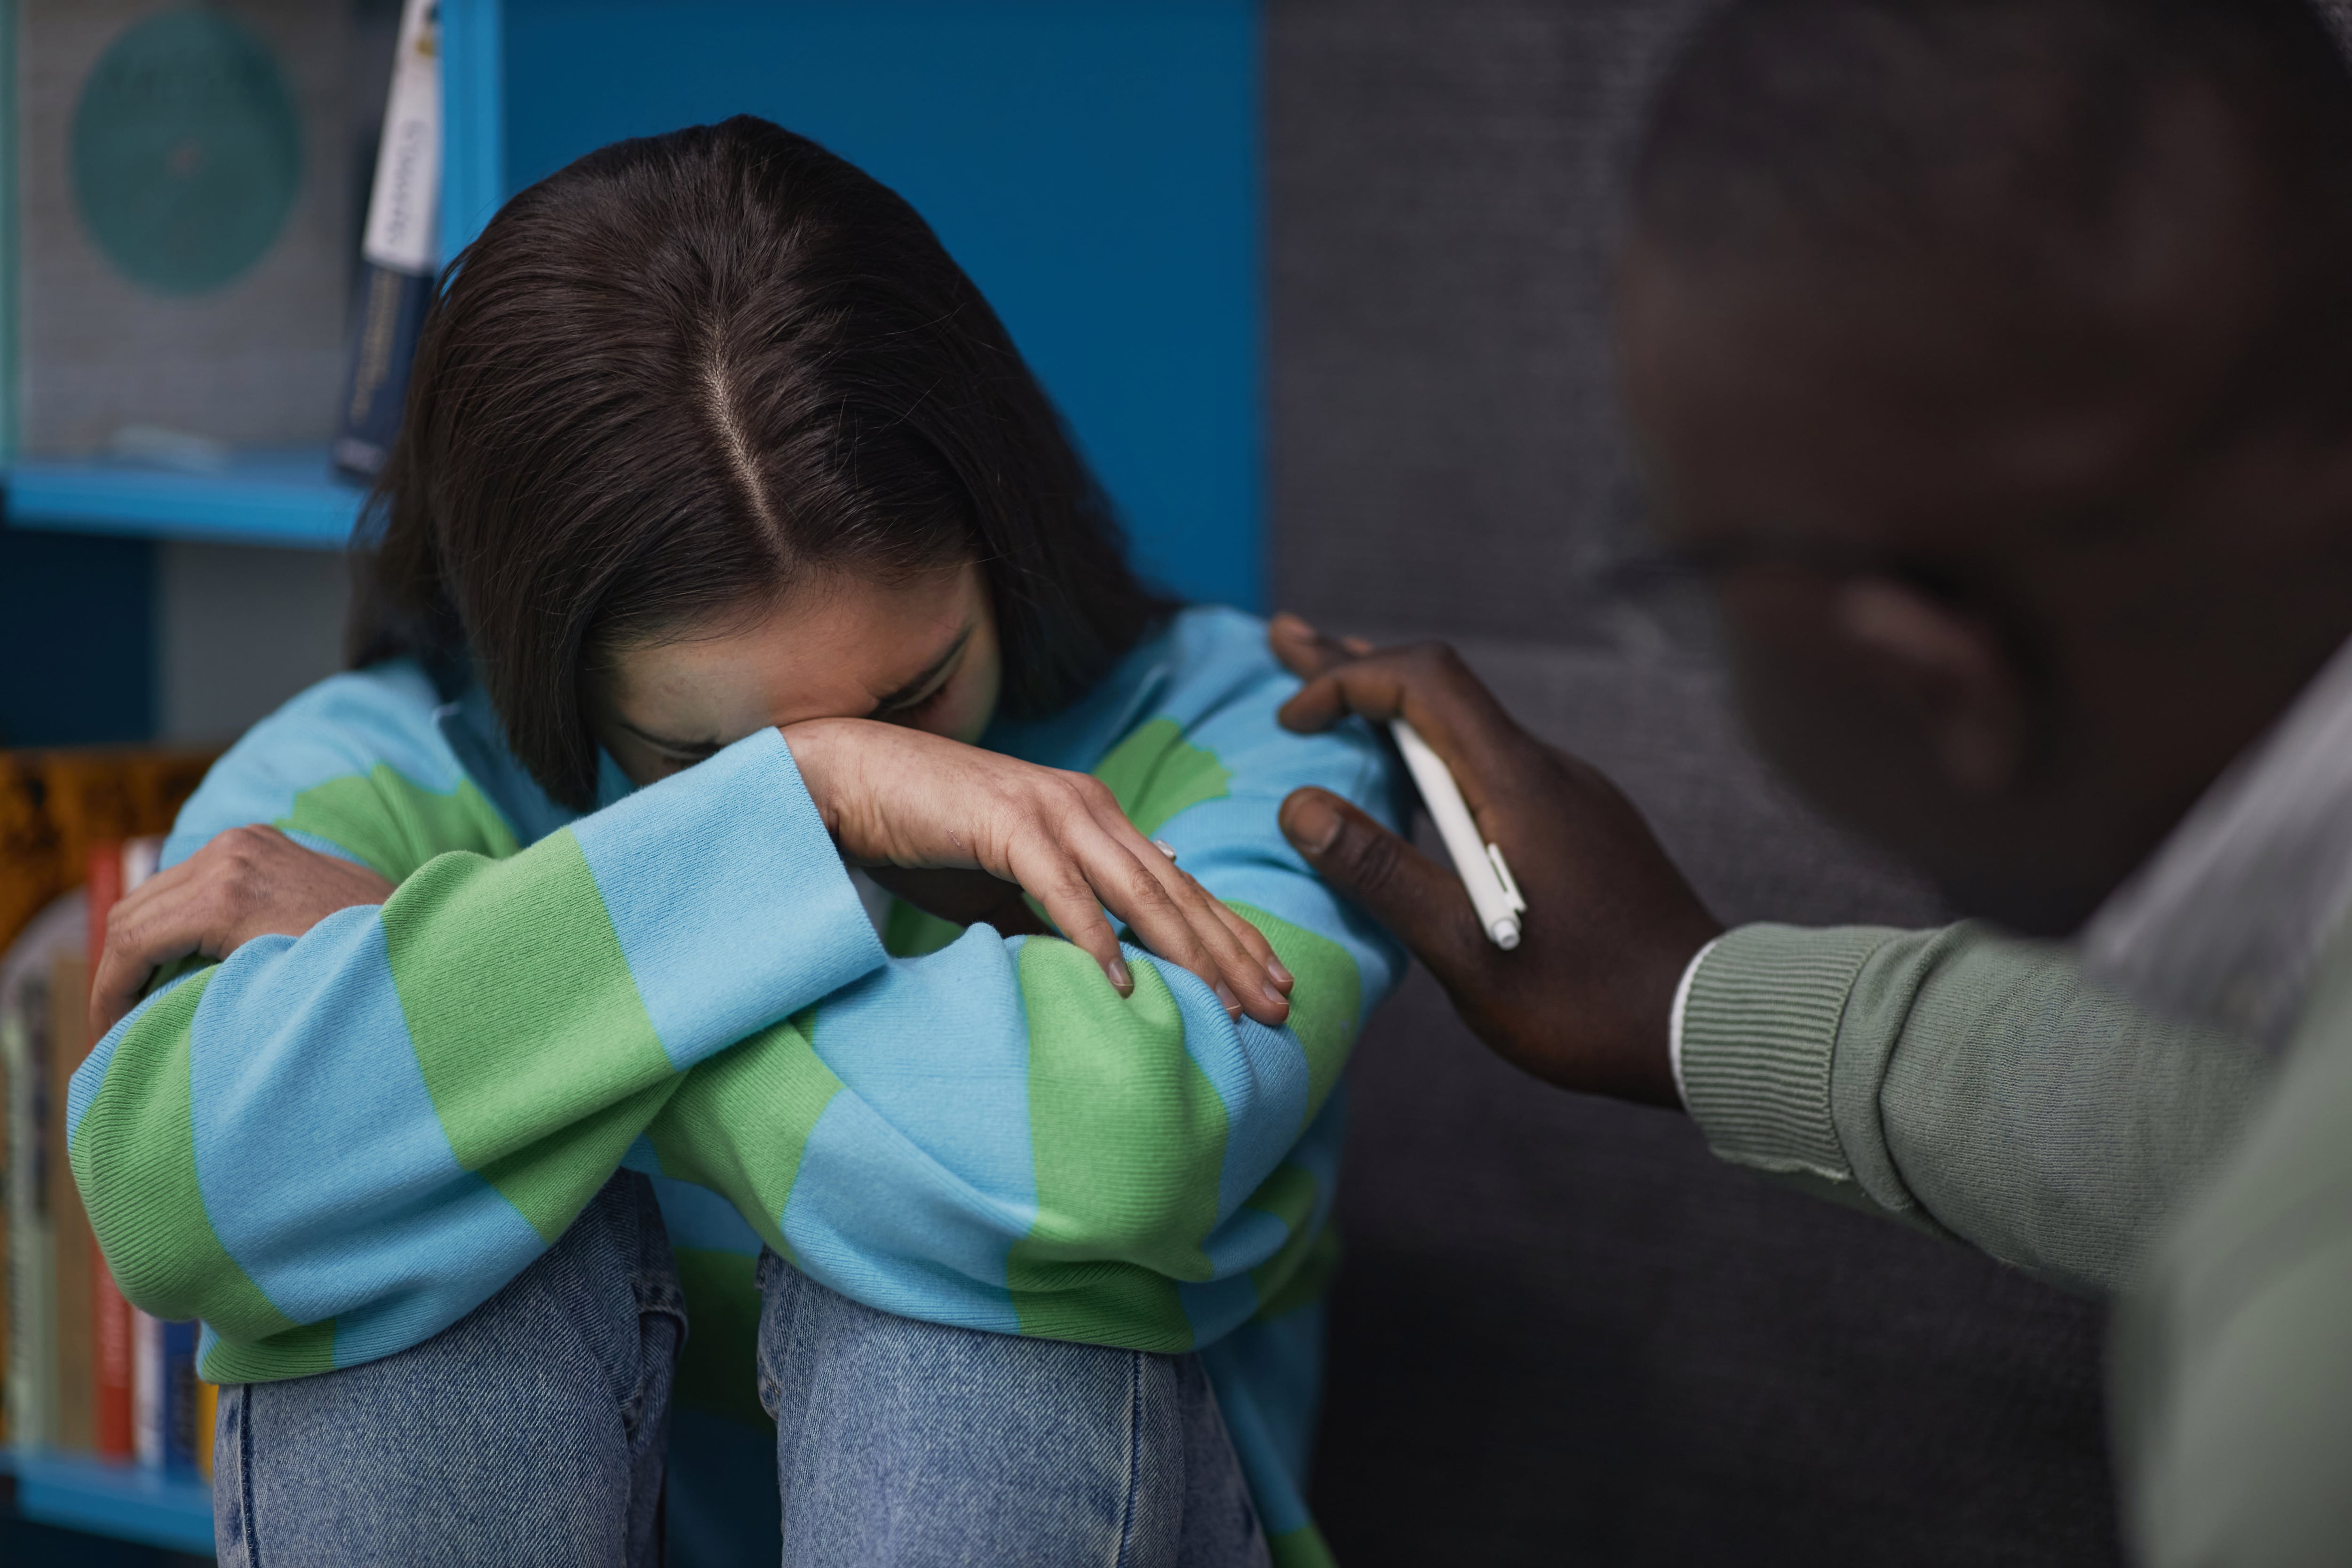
x=1441 y=174
x=1565 y=1333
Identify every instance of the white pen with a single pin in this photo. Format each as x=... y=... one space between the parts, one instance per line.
x=1480 y=864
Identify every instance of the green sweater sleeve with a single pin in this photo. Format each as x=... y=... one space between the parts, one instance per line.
x=1970 y=1084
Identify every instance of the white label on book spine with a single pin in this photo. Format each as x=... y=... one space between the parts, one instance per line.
x=402 y=232
x=148 y=1400
x=139 y=859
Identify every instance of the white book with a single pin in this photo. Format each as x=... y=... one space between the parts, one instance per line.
x=151 y=1401
x=31 y=1263
x=138 y=860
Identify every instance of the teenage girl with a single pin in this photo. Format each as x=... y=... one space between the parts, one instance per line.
x=521 y=1007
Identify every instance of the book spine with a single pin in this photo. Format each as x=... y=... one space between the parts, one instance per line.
x=180 y=1404
x=149 y=1394
x=207 y=1423
x=111 y=874
x=140 y=858
x=105 y=884
x=74 y=1417
x=151 y=1391
x=7 y=1259
x=114 y=1370
x=31 y=1354
x=398 y=250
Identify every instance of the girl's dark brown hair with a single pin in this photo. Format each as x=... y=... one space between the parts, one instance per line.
x=685 y=372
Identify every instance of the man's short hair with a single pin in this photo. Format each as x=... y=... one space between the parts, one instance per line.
x=1886 y=131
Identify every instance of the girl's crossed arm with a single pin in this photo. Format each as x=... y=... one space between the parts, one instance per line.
x=332 y=1145
x=1050 y=1158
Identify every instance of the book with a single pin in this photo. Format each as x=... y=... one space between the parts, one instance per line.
x=26 y=967
x=29 y=1357
x=55 y=805
x=29 y=843
x=74 y=1250
x=186 y=1408
x=110 y=1330
x=398 y=250
x=207 y=1421
x=163 y=1393
x=164 y=1403
x=148 y=1419
x=111 y=1432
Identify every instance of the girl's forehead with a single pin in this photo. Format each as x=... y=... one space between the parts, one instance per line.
x=840 y=647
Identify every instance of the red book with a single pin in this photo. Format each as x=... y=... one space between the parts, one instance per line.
x=114 y=1361
x=111 y=1352
x=105 y=889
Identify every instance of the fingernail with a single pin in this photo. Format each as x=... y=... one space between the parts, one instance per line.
x=1164 y=847
x=1119 y=977
x=1276 y=997
x=1312 y=825
x=1282 y=977
x=1232 y=1002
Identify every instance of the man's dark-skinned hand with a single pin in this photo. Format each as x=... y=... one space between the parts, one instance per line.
x=1583 y=1001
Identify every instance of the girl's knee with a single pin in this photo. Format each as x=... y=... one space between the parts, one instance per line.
x=950 y=1441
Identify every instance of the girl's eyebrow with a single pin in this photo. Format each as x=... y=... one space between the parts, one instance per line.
x=914 y=690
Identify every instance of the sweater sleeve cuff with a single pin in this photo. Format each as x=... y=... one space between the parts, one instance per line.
x=1759 y=1026
x=732 y=903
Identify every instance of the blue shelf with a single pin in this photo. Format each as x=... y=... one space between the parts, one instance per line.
x=279 y=496
x=126 y=1502
x=1096 y=169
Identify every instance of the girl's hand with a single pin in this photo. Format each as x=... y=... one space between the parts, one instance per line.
x=897 y=796
x=248 y=882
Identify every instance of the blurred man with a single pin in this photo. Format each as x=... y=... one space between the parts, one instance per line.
x=1992 y=362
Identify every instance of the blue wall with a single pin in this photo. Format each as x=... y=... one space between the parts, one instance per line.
x=1092 y=163
x=77 y=640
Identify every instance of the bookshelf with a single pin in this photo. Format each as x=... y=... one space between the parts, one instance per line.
x=270 y=496
x=1094 y=167
x=173 y=1511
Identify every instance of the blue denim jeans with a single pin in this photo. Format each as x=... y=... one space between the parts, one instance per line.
x=536 y=1429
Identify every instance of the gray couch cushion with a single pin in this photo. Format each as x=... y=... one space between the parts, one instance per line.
x=1566 y=1334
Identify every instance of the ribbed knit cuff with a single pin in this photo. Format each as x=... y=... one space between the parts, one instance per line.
x=1760 y=1034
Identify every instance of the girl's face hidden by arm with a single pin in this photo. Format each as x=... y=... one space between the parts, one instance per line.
x=921 y=652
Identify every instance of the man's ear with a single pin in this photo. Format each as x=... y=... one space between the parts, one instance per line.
x=1951 y=669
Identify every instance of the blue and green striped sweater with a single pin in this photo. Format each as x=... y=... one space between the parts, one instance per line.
x=330 y=1147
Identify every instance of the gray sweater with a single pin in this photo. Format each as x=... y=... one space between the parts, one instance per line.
x=1995 y=1091
x=1967 y=1083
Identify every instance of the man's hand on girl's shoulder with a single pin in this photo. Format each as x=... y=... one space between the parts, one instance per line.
x=1583 y=1001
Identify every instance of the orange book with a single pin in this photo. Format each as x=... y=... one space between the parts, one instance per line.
x=29 y=875
x=54 y=804
x=207 y=1423
x=114 y=794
